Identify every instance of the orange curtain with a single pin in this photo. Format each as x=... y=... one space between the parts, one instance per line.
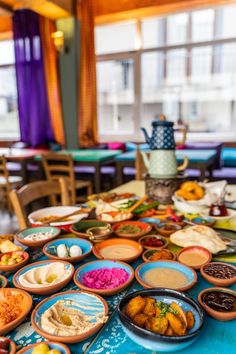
x=87 y=80
x=47 y=27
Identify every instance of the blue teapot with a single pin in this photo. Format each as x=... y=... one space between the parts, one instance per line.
x=162 y=136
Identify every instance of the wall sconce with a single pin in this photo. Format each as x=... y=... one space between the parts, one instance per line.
x=58 y=39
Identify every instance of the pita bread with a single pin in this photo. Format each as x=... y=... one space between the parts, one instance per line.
x=199 y=235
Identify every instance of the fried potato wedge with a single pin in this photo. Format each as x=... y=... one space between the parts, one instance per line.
x=190 y=319
x=176 y=324
x=149 y=308
x=169 y=331
x=180 y=312
x=140 y=319
x=157 y=325
x=135 y=306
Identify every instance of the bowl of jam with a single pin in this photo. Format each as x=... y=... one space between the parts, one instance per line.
x=219 y=273
x=150 y=242
x=219 y=303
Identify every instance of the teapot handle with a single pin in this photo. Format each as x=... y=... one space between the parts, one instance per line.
x=184 y=164
x=184 y=132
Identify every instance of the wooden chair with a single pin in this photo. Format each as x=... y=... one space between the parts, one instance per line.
x=34 y=191
x=141 y=169
x=7 y=183
x=58 y=165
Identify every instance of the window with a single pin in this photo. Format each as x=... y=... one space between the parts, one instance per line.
x=184 y=67
x=9 y=125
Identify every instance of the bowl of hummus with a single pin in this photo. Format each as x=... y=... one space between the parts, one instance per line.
x=70 y=317
x=45 y=277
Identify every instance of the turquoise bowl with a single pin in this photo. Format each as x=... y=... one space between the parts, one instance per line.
x=156 y=342
x=189 y=273
x=50 y=248
x=57 y=346
x=99 y=265
x=52 y=231
x=151 y=220
x=86 y=302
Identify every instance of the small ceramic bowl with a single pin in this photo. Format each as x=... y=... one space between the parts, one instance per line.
x=86 y=302
x=12 y=268
x=12 y=346
x=189 y=273
x=25 y=305
x=81 y=228
x=155 y=342
x=108 y=264
x=217 y=281
x=204 y=256
x=56 y=346
x=3 y=282
x=115 y=243
x=44 y=290
x=144 y=229
x=221 y=316
x=50 y=249
x=170 y=256
x=22 y=235
x=114 y=216
x=167 y=228
x=206 y=221
x=152 y=221
x=143 y=239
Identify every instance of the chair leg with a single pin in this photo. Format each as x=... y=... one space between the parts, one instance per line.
x=90 y=189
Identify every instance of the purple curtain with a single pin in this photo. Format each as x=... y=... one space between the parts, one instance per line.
x=35 y=125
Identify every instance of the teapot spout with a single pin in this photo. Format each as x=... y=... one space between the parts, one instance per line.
x=147 y=138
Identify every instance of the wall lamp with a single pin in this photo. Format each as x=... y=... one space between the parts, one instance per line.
x=58 y=40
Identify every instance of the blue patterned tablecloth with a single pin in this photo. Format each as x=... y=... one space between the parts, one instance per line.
x=216 y=337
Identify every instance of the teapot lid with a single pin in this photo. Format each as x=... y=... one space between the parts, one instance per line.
x=163 y=123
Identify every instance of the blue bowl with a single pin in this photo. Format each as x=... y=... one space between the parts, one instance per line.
x=47 y=290
x=103 y=264
x=52 y=231
x=50 y=248
x=57 y=346
x=151 y=220
x=88 y=303
x=157 y=342
x=190 y=274
x=203 y=220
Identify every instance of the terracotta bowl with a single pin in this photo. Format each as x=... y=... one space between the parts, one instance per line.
x=86 y=247
x=21 y=236
x=158 y=237
x=221 y=316
x=162 y=231
x=81 y=228
x=52 y=345
x=148 y=253
x=217 y=281
x=187 y=271
x=47 y=290
x=85 y=297
x=118 y=242
x=125 y=216
x=145 y=229
x=198 y=250
x=3 y=281
x=99 y=265
x=25 y=305
x=12 y=346
x=14 y=267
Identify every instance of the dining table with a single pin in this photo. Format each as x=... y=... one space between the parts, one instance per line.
x=23 y=157
x=215 y=338
x=203 y=160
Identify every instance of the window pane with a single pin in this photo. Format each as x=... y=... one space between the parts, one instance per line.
x=177 y=28
x=228 y=21
x=115 y=38
x=201 y=64
x=176 y=66
x=9 y=126
x=115 y=85
x=202 y=25
x=228 y=62
x=7 y=55
x=153 y=32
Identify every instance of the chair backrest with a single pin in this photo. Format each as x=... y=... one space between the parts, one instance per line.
x=5 y=176
x=58 y=165
x=141 y=169
x=31 y=192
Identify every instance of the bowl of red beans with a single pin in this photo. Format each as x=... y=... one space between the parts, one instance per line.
x=219 y=273
x=150 y=242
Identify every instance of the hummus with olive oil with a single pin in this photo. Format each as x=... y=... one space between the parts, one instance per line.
x=65 y=319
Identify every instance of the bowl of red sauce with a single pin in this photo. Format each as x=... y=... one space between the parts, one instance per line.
x=150 y=242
